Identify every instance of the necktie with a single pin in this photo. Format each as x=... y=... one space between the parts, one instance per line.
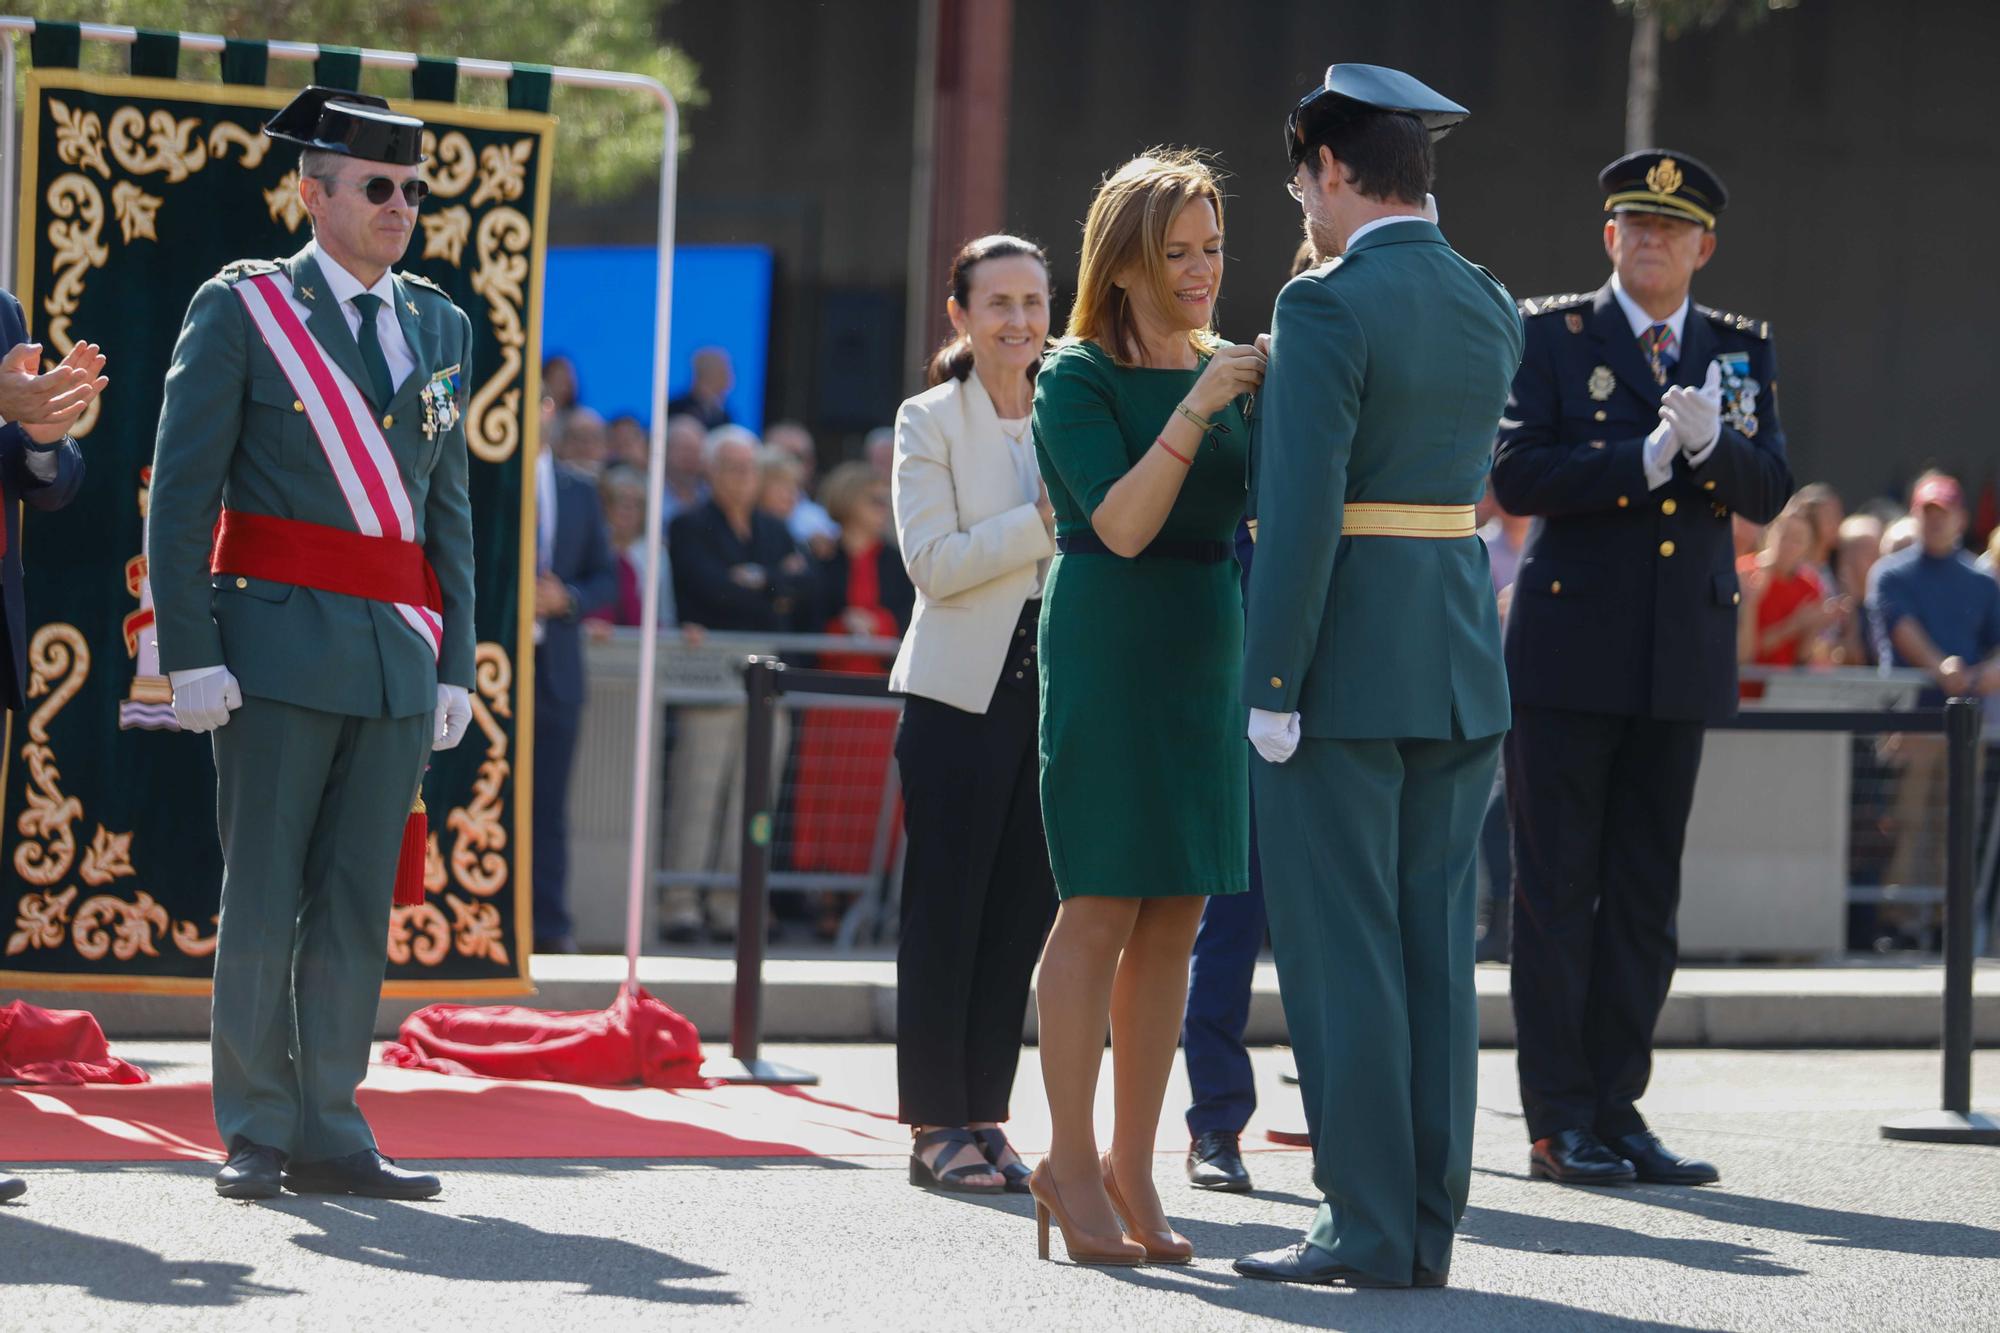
x=372 y=359
x=1658 y=341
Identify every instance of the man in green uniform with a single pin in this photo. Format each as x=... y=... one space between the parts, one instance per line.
x=1373 y=673
x=310 y=550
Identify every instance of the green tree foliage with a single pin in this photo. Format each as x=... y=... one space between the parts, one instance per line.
x=609 y=141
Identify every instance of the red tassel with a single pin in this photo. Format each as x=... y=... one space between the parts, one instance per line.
x=410 y=861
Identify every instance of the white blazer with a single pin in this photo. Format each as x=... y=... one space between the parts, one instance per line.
x=969 y=540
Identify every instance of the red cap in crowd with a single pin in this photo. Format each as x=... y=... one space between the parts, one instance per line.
x=1939 y=490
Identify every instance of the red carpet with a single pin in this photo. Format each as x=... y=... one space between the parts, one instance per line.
x=429 y=1117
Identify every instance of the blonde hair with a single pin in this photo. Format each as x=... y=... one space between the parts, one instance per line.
x=1126 y=231
x=843 y=489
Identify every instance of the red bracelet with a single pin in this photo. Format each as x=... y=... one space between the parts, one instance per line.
x=1161 y=440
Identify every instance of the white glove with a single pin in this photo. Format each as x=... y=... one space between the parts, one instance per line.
x=1275 y=735
x=1431 y=208
x=454 y=715
x=204 y=697
x=1695 y=414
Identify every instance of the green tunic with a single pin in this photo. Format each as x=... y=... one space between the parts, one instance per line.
x=1145 y=783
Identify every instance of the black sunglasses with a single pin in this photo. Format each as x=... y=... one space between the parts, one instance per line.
x=377 y=189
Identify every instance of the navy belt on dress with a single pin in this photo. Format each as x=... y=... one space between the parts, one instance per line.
x=1161 y=548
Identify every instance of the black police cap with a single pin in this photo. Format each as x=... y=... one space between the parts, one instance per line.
x=1351 y=91
x=1659 y=180
x=335 y=120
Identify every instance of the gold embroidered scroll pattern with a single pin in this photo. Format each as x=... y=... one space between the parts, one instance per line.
x=42 y=921
x=79 y=137
x=452 y=163
x=503 y=240
x=176 y=147
x=58 y=664
x=419 y=932
x=132 y=927
x=478 y=852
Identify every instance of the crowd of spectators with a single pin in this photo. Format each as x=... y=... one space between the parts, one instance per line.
x=754 y=541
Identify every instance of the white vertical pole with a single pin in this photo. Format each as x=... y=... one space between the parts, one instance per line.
x=639 y=870
x=10 y=172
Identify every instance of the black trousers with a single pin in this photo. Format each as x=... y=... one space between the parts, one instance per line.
x=1600 y=806
x=978 y=897
x=556 y=724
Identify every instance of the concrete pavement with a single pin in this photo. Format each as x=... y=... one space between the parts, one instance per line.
x=1819 y=1225
x=849 y=998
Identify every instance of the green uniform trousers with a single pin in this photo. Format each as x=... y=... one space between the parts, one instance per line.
x=311 y=807
x=1367 y=849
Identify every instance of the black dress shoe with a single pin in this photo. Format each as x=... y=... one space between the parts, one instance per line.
x=252 y=1172
x=1578 y=1157
x=1658 y=1164
x=367 y=1173
x=12 y=1187
x=1305 y=1262
x=1215 y=1162
x=1431 y=1277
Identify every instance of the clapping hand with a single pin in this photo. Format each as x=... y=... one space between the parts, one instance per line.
x=1695 y=415
x=46 y=405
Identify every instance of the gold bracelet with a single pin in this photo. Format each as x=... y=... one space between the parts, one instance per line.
x=1184 y=410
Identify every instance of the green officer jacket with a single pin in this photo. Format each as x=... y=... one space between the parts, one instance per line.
x=1389 y=371
x=232 y=434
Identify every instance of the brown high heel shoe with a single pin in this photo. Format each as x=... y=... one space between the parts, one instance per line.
x=1115 y=1251
x=1162 y=1247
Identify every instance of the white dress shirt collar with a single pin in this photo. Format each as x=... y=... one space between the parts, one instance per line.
x=1641 y=321
x=1367 y=227
x=345 y=286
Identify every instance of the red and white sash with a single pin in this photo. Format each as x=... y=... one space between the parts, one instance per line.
x=345 y=427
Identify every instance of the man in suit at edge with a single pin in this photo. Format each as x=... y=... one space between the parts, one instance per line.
x=1638 y=425
x=39 y=465
x=310 y=549
x=575 y=574
x=1373 y=674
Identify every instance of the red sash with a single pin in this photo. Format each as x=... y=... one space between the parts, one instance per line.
x=312 y=555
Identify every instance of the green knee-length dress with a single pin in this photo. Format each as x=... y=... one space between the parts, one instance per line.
x=1145 y=769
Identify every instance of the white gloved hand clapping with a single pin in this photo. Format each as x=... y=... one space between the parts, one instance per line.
x=204 y=697
x=1695 y=414
x=1274 y=735
x=454 y=715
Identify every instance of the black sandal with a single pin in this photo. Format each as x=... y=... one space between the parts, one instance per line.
x=993 y=1144
x=952 y=1181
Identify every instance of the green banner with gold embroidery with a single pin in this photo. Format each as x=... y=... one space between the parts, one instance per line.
x=133 y=192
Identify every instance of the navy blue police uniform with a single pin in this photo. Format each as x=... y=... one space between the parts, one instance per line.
x=1621 y=649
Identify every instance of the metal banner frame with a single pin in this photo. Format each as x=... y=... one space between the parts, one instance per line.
x=643 y=761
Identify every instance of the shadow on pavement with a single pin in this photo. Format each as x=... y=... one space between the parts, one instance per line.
x=111 y=1270
x=1837 y=1228
x=399 y=1237
x=1533 y=1234
x=1388 y=1311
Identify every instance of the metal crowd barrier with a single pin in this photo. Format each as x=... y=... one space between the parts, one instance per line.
x=1960 y=722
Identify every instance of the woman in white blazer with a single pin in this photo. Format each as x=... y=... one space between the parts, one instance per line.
x=976 y=532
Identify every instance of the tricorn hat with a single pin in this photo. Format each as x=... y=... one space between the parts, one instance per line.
x=1350 y=91
x=1657 y=180
x=336 y=120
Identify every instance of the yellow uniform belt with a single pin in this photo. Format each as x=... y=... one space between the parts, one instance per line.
x=1374 y=518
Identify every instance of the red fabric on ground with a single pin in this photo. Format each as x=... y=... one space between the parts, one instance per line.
x=637 y=1040
x=58 y=1046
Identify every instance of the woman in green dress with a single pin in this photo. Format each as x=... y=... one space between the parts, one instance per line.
x=1143 y=446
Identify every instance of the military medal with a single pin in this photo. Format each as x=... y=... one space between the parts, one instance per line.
x=440 y=400
x=1602 y=382
x=1739 y=393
